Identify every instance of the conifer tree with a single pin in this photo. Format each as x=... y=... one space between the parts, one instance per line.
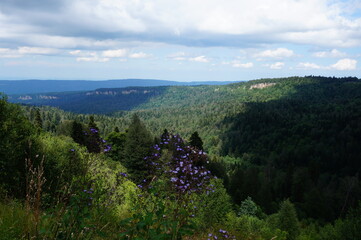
x=137 y=146
x=77 y=132
x=93 y=140
x=196 y=141
x=38 y=119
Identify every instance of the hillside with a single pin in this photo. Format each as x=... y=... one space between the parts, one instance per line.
x=46 y=86
x=268 y=140
x=283 y=127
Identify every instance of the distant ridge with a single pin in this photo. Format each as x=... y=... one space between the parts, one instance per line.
x=46 y=86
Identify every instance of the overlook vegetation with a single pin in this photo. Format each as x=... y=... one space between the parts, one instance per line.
x=264 y=159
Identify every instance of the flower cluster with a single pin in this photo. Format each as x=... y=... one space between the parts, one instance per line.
x=223 y=235
x=94 y=142
x=93 y=130
x=184 y=169
x=88 y=195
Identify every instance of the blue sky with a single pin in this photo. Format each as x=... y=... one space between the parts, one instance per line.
x=182 y=40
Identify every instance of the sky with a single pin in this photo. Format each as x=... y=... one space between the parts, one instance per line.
x=181 y=40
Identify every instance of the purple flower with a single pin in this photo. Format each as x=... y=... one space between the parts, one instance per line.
x=93 y=130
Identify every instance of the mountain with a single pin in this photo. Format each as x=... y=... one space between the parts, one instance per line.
x=45 y=86
x=99 y=101
x=270 y=139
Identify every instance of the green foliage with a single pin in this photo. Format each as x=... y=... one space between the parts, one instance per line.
x=250 y=208
x=287 y=219
x=137 y=146
x=14 y=221
x=63 y=159
x=275 y=142
x=15 y=137
x=250 y=227
x=117 y=141
x=213 y=206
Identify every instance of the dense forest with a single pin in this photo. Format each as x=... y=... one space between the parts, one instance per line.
x=264 y=159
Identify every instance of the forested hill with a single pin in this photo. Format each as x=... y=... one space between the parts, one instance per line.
x=46 y=86
x=109 y=100
x=295 y=134
x=285 y=149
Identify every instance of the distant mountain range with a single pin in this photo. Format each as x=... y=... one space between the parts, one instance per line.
x=45 y=86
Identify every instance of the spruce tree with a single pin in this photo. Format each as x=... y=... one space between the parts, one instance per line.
x=38 y=119
x=137 y=146
x=196 y=141
x=92 y=139
x=77 y=132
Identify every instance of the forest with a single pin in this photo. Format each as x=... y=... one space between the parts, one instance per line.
x=263 y=159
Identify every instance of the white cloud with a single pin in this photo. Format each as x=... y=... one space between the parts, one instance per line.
x=345 y=64
x=86 y=56
x=92 y=59
x=117 y=53
x=37 y=50
x=307 y=65
x=179 y=56
x=202 y=59
x=75 y=52
x=21 y=51
x=9 y=53
x=279 y=53
x=139 y=55
x=334 y=53
x=277 y=65
x=187 y=22
x=237 y=64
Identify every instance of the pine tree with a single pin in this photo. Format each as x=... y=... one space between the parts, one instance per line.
x=137 y=146
x=196 y=141
x=117 y=141
x=92 y=139
x=38 y=119
x=77 y=132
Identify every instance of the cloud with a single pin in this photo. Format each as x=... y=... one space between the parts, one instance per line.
x=184 y=22
x=307 y=65
x=182 y=56
x=345 y=64
x=86 y=56
x=9 y=53
x=334 y=53
x=140 y=55
x=37 y=50
x=105 y=56
x=22 y=51
x=75 y=52
x=92 y=59
x=179 y=56
x=341 y=65
x=238 y=64
x=201 y=59
x=279 y=53
x=117 y=53
x=277 y=65
x=243 y=65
